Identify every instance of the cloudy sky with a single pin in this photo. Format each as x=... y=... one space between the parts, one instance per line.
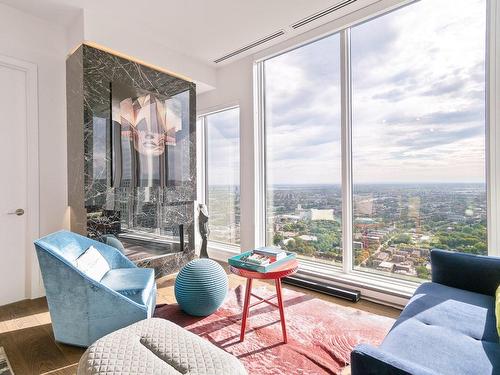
x=418 y=100
x=223 y=152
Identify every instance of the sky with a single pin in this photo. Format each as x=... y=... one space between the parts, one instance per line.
x=223 y=150
x=418 y=100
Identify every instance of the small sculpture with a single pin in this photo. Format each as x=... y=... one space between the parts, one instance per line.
x=204 y=229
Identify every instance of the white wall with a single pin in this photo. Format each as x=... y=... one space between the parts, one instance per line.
x=28 y=38
x=132 y=41
x=234 y=87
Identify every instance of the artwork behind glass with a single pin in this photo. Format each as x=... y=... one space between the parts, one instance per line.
x=147 y=132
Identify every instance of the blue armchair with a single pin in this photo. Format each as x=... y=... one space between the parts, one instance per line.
x=447 y=327
x=84 y=308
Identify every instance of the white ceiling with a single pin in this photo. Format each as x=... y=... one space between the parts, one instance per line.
x=202 y=29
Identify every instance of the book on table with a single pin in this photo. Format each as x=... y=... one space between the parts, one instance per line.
x=273 y=252
x=256 y=260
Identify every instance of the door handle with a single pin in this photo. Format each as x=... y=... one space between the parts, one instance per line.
x=18 y=212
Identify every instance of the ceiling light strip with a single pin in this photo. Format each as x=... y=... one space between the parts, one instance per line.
x=323 y=13
x=250 y=46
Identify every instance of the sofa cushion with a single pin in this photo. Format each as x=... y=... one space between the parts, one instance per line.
x=92 y=264
x=135 y=283
x=447 y=329
x=470 y=313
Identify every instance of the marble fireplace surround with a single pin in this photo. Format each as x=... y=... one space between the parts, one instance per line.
x=99 y=207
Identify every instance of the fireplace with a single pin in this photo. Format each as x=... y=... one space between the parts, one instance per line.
x=132 y=157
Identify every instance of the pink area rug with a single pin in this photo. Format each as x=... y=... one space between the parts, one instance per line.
x=321 y=335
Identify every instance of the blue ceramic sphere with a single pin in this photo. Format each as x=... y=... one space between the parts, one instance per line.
x=201 y=287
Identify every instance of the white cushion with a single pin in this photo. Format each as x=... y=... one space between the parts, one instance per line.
x=92 y=264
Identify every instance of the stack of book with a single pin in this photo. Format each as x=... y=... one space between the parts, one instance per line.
x=262 y=259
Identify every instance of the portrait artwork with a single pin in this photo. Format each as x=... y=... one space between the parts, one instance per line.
x=145 y=125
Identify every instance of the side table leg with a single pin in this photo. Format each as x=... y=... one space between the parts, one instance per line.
x=282 y=309
x=246 y=307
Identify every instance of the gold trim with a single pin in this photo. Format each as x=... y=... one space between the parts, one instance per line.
x=131 y=58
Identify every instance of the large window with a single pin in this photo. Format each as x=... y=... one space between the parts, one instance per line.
x=303 y=169
x=222 y=140
x=418 y=135
x=414 y=140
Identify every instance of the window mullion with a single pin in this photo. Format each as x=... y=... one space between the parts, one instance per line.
x=205 y=159
x=346 y=154
x=260 y=155
x=493 y=126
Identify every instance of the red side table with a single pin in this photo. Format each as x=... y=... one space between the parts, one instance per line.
x=277 y=274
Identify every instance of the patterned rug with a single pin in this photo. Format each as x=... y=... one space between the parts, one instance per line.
x=5 y=368
x=321 y=335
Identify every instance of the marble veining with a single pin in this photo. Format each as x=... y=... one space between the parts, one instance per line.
x=156 y=213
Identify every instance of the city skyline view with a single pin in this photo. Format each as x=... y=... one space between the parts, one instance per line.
x=394 y=225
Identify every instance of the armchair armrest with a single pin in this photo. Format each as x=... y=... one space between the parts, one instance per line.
x=369 y=360
x=475 y=273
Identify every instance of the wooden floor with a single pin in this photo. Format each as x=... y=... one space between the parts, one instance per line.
x=26 y=332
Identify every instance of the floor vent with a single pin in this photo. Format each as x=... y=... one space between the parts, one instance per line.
x=322 y=13
x=250 y=46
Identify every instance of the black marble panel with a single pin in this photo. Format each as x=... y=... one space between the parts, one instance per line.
x=103 y=200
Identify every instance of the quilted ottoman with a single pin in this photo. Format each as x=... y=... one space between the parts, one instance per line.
x=156 y=346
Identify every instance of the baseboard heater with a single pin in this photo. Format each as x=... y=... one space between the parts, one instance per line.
x=323 y=287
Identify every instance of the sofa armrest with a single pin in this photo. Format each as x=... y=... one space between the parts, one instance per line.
x=369 y=360
x=475 y=273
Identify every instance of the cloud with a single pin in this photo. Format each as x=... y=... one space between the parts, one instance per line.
x=442 y=88
x=390 y=95
x=223 y=147
x=425 y=140
x=418 y=100
x=225 y=123
x=439 y=118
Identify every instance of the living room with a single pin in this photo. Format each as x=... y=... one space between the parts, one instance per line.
x=234 y=187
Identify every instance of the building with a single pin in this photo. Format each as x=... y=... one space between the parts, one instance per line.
x=382 y=256
x=406 y=268
x=308 y=238
x=317 y=214
x=357 y=245
x=398 y=258
x=386 y=266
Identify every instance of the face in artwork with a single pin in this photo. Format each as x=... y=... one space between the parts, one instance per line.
x=146 y=120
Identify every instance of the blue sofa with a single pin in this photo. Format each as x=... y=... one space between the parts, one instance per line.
x=83 y=308
x=448 y=326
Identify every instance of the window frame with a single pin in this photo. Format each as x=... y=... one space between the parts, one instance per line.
x=202 y=140
x=384 y=288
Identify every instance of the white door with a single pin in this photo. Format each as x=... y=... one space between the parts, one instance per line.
x=13 y=184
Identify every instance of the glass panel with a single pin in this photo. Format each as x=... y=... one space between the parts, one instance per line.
x=223 y=175
x=151 y=138
x=147 y=153
x=303 y=163
x=418 y=135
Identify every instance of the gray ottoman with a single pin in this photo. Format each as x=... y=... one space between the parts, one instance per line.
x=157 y=346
